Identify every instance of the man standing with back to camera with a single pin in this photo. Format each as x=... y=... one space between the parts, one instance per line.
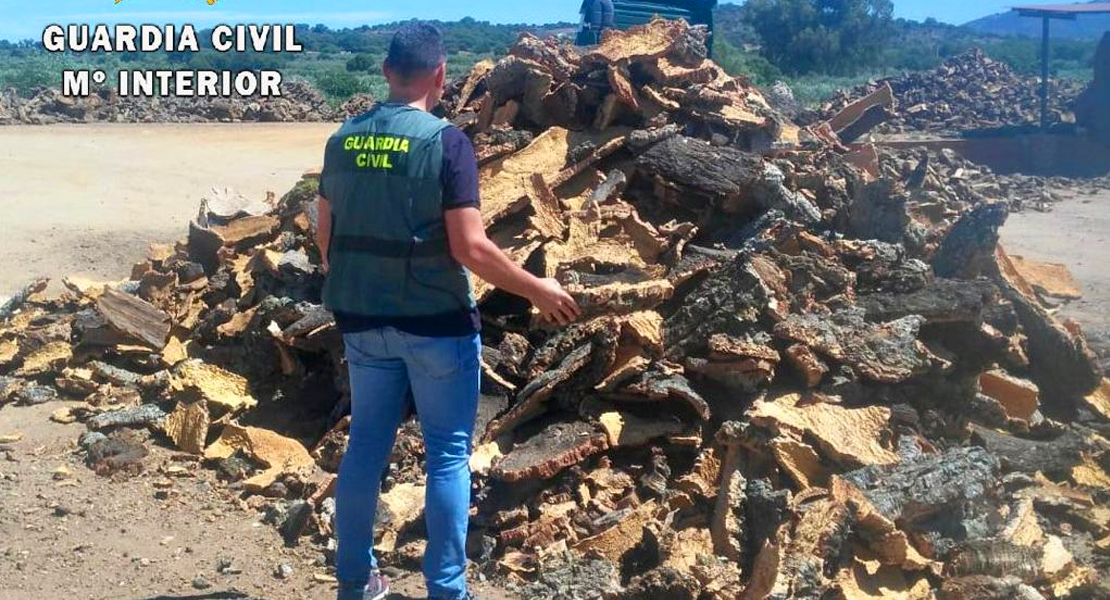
x=399 y=227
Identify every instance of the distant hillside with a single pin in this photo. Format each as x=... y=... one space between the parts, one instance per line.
x=465 y=35
x=1009 y=23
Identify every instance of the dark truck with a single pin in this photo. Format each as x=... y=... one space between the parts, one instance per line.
x=629 y=13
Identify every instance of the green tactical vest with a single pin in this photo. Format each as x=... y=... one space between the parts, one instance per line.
x=389 y=254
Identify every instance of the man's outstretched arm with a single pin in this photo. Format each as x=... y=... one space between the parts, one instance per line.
x=323 y=229
x=474 y=250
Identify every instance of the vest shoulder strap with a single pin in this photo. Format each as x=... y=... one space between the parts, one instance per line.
x=401 y=117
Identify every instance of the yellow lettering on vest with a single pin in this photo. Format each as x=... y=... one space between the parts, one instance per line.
x=370 y=143
x=374 y=161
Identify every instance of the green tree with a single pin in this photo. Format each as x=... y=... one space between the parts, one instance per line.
x=738 y=63
x=338 y=84
x=36 y=72
x=821 y=36
x=362 y=63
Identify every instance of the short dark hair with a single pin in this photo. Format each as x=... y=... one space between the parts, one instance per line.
x=417 y=48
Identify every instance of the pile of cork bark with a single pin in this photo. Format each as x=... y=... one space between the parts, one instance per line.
x=1023 y=191
x=799 y=373
x=967 y=92
x=298 y=103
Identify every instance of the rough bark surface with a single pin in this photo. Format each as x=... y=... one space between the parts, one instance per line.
x=551 y=450
x=928 y=485
x=885 y=353
x=134 y=318
x=720 y=172
x=942 y=301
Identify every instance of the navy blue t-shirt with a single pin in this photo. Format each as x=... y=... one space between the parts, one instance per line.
x=460 y=190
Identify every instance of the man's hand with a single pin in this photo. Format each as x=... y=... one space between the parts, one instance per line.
x=554 y=303
x=475 y=251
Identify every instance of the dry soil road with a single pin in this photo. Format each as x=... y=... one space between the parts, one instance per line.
x=1077 y=234
x=89 y=199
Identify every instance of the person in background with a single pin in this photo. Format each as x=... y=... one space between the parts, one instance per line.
x=399 y=228
x=598 y=15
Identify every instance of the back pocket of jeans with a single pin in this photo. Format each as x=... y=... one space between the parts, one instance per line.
x=438 y=358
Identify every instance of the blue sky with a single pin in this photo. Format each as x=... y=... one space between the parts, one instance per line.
x=26 y=18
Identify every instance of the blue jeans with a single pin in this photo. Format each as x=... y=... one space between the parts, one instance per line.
x=443 y=375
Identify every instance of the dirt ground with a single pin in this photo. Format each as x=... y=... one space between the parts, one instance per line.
x=80 y=536
x=89 y=199
x=1076 y=233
